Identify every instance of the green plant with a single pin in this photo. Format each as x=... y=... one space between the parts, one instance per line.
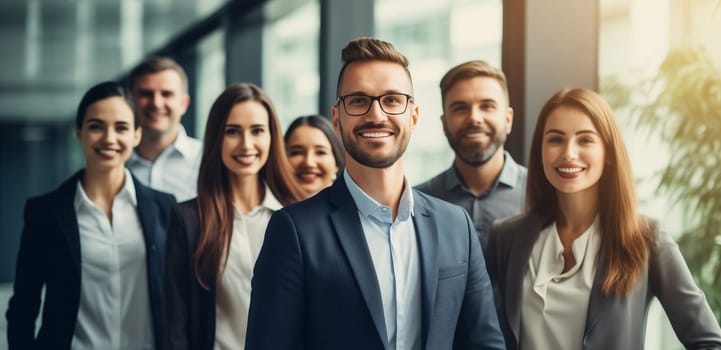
x=682 y=106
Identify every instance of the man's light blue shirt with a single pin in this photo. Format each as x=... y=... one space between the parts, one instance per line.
x=394 y=250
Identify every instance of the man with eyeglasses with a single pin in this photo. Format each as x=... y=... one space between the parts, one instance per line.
x=370 y=263
x=483 y=179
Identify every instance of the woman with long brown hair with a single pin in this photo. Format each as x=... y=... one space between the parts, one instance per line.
x=213 y=240
x=578 y=269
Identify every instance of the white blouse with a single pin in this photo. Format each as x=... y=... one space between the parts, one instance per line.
x=555 y=304
x=114 y=311
x=233 y=289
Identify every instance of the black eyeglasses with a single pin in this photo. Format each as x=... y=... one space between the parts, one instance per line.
x=358 y=105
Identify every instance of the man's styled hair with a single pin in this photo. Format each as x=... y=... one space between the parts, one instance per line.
x=158 y=64
x=472 y=69
x=370 y=49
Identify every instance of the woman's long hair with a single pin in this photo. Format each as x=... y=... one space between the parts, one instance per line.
x=626 y=236
x=215 y=205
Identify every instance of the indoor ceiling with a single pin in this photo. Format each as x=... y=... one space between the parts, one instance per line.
x=53 y=50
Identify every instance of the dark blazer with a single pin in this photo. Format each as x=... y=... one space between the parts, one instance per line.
x=612 y=322
x=190 y=311
x=49 y=256
x=315 y=287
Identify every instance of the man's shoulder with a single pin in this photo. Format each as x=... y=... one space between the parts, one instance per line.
x=438 y=206
x=313 y=207
x=436 y=186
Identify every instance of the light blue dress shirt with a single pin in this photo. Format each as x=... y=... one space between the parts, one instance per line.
x=394 y=250
x=174 y=171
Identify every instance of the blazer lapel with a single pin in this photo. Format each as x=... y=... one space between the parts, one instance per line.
x=517 y=262
x=67 y=217
x=348 y=229
x=598 y=303
x=426 y=231
x=147 y=214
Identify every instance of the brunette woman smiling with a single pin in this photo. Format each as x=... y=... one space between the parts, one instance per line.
x=578 y=269
x=95 y=244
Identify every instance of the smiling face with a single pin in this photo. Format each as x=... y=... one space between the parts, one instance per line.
x=476 y=119
x=162 y=101
x=246 y=139
x=311 y=155
x=573 y=153
x=108 y=134
x=376 y=139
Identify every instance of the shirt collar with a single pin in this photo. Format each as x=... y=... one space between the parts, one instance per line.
x=127 y=191
x=269 y=202
x=508 y=175
x=369 y=207
x=182 y=143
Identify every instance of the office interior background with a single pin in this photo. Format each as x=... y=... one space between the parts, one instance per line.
x=657 y=61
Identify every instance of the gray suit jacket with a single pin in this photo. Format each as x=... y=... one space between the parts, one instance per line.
x=315 y=287
x=612 y=322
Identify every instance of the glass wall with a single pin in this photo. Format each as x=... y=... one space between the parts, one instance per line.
x=436 y=35
x=210 y=77
x=660 y=67
x=290 y=57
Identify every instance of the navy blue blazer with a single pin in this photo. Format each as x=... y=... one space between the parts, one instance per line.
x=190 y=308
x=49 y=256
x=315 y=287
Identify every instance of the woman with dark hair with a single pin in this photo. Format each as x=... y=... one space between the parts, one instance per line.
x=578 y=269
x=214 y=239
x=95 y=244
x=314 y=151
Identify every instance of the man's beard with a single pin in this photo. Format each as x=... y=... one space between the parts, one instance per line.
x=367 y=159
x=475 y=154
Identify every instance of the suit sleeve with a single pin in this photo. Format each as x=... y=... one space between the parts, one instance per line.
x=684 y=303
x=178 y=276
x=478 y=323
x=277 y=307
x=24 y=304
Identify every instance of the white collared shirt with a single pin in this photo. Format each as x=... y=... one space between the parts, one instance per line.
x=233 y=289
x=175 y=170
x=114 y=310
x=394 y=251
x=554 y=306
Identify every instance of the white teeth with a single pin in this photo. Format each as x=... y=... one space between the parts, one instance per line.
x=245 y=159
x=107 y=152
x=477 y=134
x=375 y=134
x=570 y=170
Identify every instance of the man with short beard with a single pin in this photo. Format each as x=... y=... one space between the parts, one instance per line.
x=484 y=179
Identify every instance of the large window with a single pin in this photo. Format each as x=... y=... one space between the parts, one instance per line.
x=660 y=67
x=290 y=57
x=210 y=77
x=435 y=36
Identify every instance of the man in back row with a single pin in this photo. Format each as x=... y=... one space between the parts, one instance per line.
x=476 y=119
x=369 y=263
x=166 y=159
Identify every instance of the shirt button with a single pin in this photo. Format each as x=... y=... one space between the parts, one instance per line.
x=152 y=247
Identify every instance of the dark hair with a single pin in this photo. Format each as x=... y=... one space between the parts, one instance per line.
x=157 y=64
x=323 y=124
x=627 y=237
x=102 y=91
x=370 y=49
x=215 y=205
x=472 y=69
